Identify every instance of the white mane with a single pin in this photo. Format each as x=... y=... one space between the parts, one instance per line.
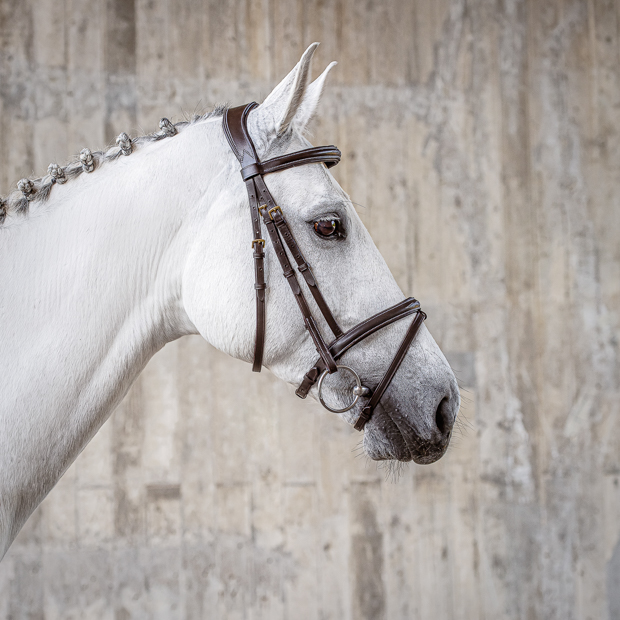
x=39 y=189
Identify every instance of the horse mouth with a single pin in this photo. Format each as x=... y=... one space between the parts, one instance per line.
x=387 y=437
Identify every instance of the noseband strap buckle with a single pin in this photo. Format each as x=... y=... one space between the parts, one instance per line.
x=263 y=205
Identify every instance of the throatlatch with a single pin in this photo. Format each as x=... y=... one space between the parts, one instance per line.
x=263 y=205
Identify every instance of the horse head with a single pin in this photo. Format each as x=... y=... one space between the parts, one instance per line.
x=413 y=419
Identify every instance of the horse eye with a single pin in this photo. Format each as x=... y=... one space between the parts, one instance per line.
x=326 y=228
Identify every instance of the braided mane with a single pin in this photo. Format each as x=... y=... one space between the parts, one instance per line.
x=39 y=190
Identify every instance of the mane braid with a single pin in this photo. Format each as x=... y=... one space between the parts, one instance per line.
x=39 y=190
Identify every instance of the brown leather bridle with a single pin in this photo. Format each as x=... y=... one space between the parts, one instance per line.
x=262 y=204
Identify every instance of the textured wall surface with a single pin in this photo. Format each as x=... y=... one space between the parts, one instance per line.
x=481 y=141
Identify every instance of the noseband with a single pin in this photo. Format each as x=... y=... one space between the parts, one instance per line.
x=263 y=205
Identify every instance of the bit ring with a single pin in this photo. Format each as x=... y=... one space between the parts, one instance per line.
x=358 y=390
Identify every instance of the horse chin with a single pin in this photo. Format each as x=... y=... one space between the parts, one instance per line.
x=385 y=440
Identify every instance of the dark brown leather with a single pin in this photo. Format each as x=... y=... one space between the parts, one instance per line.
x=356 y=334
x=258 y=247
x=263 y=204
x=391 y=371
x=289 y=273
x=235 y=129
x=305 y=271
x=328 y=155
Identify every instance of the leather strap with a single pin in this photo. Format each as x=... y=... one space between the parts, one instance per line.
x=289 y=273
x=236 y=131
x=391 y=371
x=329 y=155
x=258 y=247
x=306 y=272
x=358 y=333
x=252 y=169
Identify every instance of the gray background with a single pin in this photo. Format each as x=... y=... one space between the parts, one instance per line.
x=481 y=139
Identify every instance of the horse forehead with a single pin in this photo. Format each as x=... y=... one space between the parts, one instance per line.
x=305 y=187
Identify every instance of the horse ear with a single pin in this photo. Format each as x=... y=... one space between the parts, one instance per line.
x=311 y=99
x=282 y=104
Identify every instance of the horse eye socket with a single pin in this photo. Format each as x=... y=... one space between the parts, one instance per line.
x=326 y=228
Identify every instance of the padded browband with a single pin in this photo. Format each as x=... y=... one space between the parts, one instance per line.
x=329 y=155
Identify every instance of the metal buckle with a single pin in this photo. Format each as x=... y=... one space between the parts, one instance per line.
x=276 y=208
x=270 y=211
x=258 y=241
x=358 y=390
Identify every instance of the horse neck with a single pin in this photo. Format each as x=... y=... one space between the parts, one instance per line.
x=98 y=257
x=91 y=287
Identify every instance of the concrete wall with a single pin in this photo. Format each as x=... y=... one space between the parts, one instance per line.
x=481 y=139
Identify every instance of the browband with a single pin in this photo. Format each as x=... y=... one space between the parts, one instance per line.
x=329 y=155
x=263 y=205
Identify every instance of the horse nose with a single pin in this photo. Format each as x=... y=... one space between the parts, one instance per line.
x=444 y=419
x=415 y=420
x=432 y=432
x=435 y=428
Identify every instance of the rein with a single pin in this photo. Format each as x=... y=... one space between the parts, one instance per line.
x=263 y=206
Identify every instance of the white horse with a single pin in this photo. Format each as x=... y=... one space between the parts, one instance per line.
x=100 y=273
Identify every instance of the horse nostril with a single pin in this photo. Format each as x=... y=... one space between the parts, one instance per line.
x=443 y=419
